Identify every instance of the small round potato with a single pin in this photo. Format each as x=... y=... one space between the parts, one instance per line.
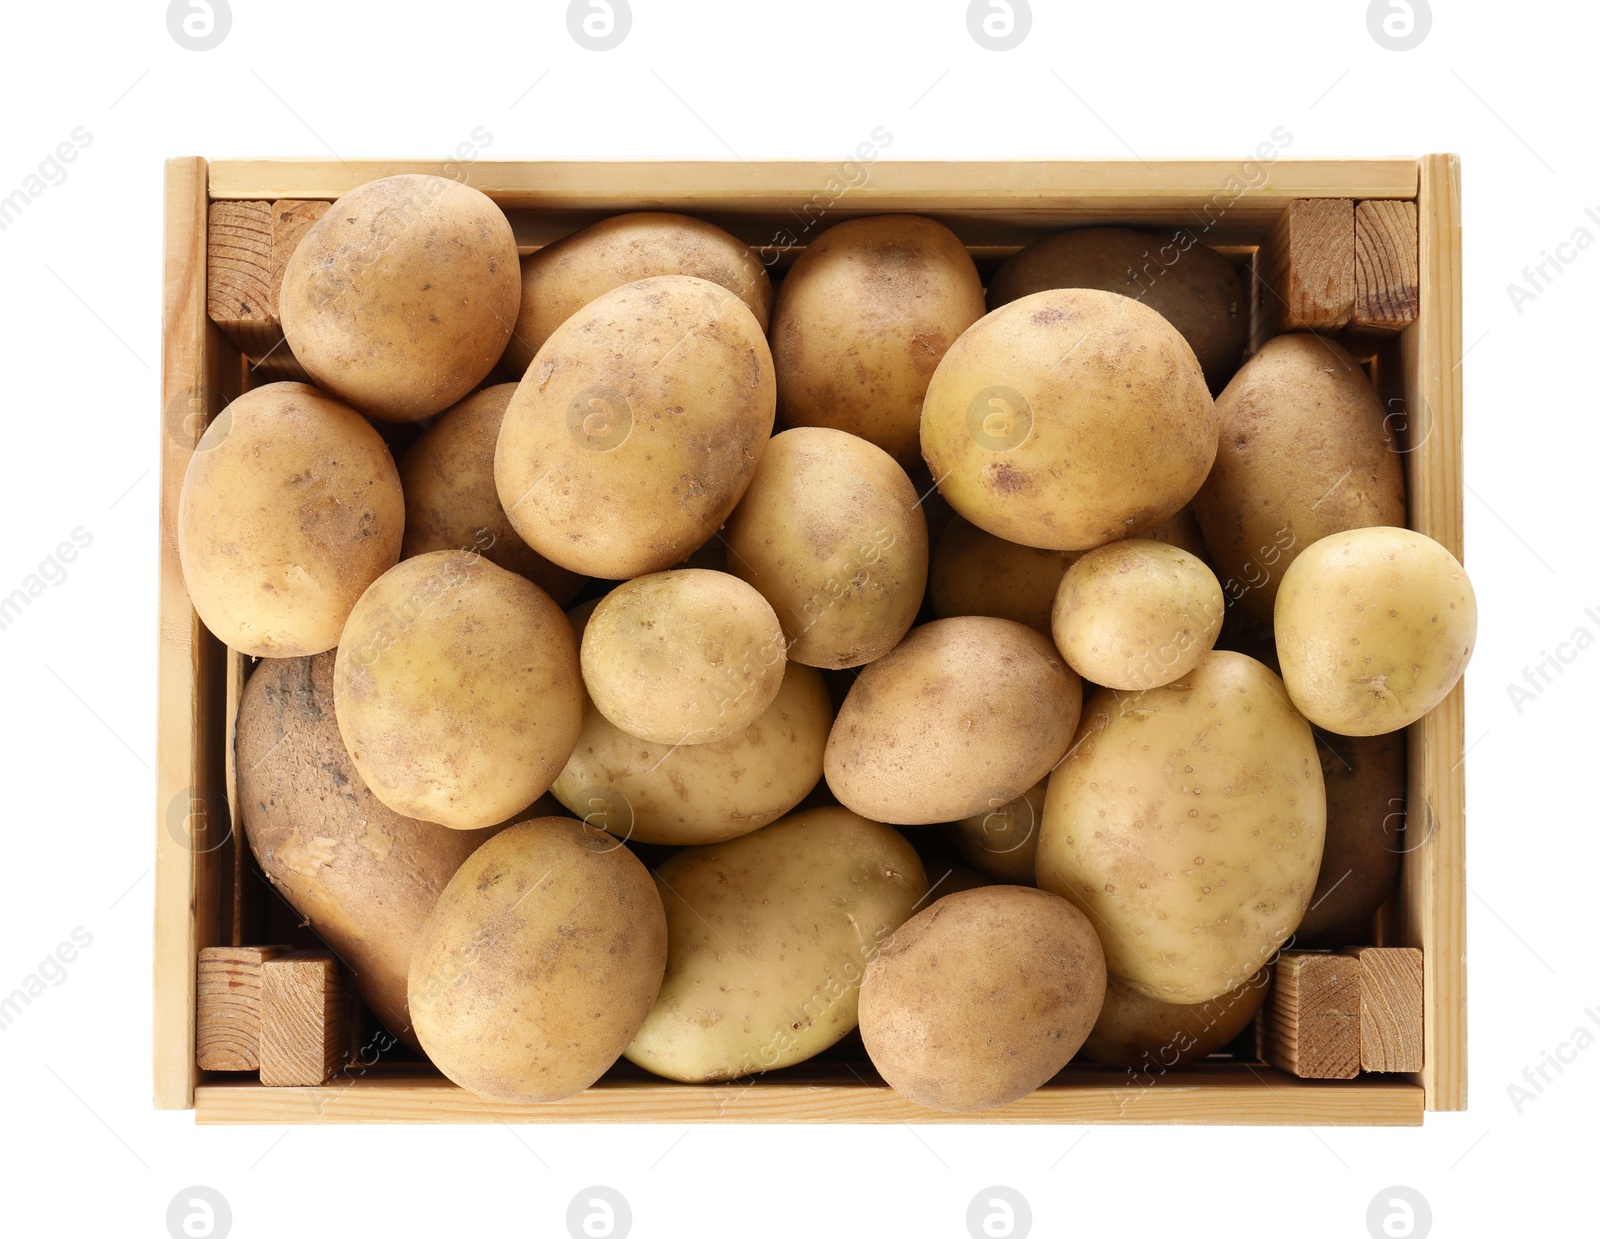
x=832 y=534
x=563 y=277
x=1374 y=628
x=1137 y=614
x=962 y=714
x=539 y=963
x=976 y=573
x=1069 y=419
x=690 y=794
x=1001 y=842
x=290 y=508
x=683 y=657
x=457 y=690
x=1149 y=1038
x=982 y=997
x=638 y=429
x=862 y=319
x=451 y=505
x=401 y=298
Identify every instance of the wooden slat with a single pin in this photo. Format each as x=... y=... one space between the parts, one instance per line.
x=1307 y=267
x=1386 y=267
x=1210 y=1094
x=305 y=1018
x=1313 y=1016
x=228 y=1007
x=248 y=245
x=1391 y=1007
x=1431 y=904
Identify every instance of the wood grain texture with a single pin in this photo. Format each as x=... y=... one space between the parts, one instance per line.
x=248 y=246
x=1313 y=1017
x=305 y=1018
x=228 y=1006
x=1214 y=1094
x=1386 y=266
x=1307 y=267
x=1391 y=1007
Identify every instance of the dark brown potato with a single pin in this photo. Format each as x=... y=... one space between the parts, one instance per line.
x=1193 y=287
x=1148 y=1038
x=1366 y=781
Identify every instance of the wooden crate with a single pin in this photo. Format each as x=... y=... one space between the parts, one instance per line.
x=204 y=885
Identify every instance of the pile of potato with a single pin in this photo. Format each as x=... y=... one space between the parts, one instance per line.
x=1009 y=583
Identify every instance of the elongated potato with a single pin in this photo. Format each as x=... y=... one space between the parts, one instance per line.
x=1149 y=1038
x=768 y=937
x=1367 y=819
x=1188 y=822
x=976 y=573
x=1002 y=842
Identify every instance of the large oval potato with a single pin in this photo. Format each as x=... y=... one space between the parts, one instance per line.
x=683 y=657
x=701 y=793
x=979 y=999
x=637 y=428
x=566 y=275
x=1069 y=419
x=1192 y=286
x=401 y=298
x=975 y=573
x=861 y=321
x=1304 y=451
x=457 y=690
x=451 y=505
x=832 y=534
x=1366 y=781
x=1149 y=1038
x=962 y=714
x=365 y=877
x=1373 y=629
x=1002 y=841
x=539 y=962
x=1188 y=823
x=767 y=939
x=290 y=508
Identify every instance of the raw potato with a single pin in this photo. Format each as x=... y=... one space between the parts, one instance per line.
x=451 y=505
x=457 y=690
x=1305 y=450
x=1193 y=287
x=637 y=430
x=1366 y=781
x=1136 y=614
x=701 y=793
x=290 y=508
x=1374 y=627
x=768 y=936
x=861 y=321
x=963 y=713
x=1188 y=823
x=1183 y=532
x=1069 y=419
x=362 y=875
x=1002 y=841
x=982 y=997
x=832 y=534
x=401 y=298
x=1150 y=1038
x=683 y=657
x=976 y=573
x=562 y=278
x=540 y=961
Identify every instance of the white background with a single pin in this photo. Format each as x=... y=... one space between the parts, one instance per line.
x=1511 y=89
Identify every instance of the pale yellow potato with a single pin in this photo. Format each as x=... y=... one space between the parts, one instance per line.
x=861 y=321
x=1148 y=1038
x=976 y=573
x=768 y=936
x=1068 y=419
x=451 y=505
x=1002 y=841
x=1305 y=450
x=563 y=277
x=290 y=508
x=1374 y=629
x=457 y=690
x=832 y=534
x=701 y=793
x=962 y=714
x=1136 y=614
x=539 y=962
x=1188 y=822
x=982 y=997
x=683 y=657
x=638 y=428
x=401 y=298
